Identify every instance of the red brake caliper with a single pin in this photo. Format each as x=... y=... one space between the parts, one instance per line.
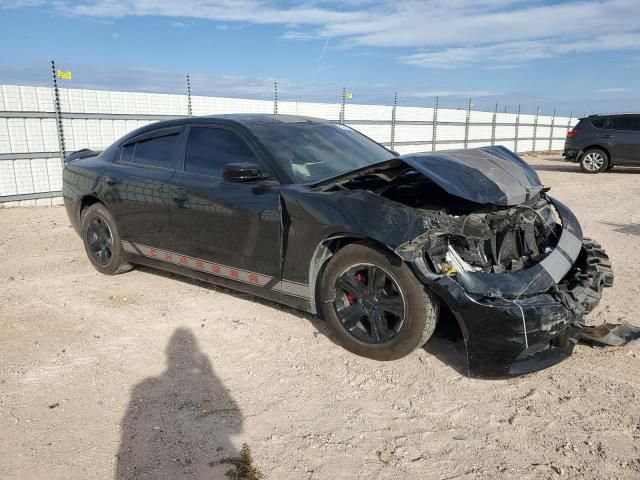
x=352 y=296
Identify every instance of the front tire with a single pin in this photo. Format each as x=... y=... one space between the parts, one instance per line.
x=594 y=160
x=102 y=241
x=374 y=304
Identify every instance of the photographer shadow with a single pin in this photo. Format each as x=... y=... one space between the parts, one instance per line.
x=180 y=424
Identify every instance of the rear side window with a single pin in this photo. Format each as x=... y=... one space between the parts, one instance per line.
x=627 y=122
x=210 y=149
x=158 y=151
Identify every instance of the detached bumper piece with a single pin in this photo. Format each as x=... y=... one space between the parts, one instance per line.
x=513 y=336
x=581 y=290
x=608 y=334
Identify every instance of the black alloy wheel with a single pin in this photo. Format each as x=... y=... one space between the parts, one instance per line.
x=99 y=241
x=102 y=241
x=374 y=304
x=369 y=303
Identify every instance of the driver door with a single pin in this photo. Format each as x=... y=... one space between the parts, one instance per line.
x=234 y=225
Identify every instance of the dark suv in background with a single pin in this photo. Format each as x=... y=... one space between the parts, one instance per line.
x=599 y=142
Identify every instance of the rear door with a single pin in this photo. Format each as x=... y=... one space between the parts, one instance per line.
x=137 y=191
x=626 y=139
x=235 y=226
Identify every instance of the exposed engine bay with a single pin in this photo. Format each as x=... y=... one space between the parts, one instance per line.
x=521 y=236
x=490 y=239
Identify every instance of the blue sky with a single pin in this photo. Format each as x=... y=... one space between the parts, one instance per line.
x=580 y=56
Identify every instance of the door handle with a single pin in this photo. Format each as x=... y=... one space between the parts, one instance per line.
x=606 y=136
x=111 y=181
x=180 y=196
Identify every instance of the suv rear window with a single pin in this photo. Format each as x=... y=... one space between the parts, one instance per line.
x=601 y=122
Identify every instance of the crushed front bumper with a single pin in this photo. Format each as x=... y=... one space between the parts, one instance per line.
x=515 y=323
x=506 y=336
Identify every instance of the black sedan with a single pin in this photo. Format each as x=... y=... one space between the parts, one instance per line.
x=319 y=217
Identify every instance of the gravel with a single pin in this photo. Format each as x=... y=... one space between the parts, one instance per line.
x=147 y=375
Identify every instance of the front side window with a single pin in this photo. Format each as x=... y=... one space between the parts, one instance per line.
x=627 y=122
x=209 y=149
x=315 y=151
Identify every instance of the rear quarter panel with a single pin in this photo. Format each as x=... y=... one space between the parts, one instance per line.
x=81 y=178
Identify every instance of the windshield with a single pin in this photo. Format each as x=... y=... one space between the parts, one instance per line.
x=311 y=152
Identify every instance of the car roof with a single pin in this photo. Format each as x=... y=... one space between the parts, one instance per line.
x=244 y=119
x=596 y=115
x=248 y=119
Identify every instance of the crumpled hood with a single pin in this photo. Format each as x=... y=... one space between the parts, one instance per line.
x=487 y=175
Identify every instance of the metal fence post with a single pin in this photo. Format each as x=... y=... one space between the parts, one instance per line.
x=344 y=99
x=515 y=142
x=56 y=96
x=493 y=125
x=553 y=121
x=393 y=120
x=569 y=122
x=466 y=126
x=435 y=126
x=189 y=111
x=275 y=97
x=535 y=130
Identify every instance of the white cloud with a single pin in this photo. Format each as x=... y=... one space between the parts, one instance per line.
x=509 y=52
x=506 y=66
x=21 y=3
x=441 y=33
x=225 y=27
x=613 y=90
x=299 y=35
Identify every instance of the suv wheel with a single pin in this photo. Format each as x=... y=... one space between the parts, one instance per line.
x=594 y=160
x=374 y=303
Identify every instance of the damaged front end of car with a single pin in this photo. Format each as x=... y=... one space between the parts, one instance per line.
x=518 y=277
x=508 y=261
x=519 y=282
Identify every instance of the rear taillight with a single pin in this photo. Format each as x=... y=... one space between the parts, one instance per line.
x=573 y=133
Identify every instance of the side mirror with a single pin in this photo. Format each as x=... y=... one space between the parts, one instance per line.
x=243 y=172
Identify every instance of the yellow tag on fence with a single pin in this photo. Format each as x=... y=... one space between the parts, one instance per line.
x=65 y=75
x=349 y=96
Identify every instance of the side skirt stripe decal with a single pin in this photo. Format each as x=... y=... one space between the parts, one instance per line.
x=290 y=288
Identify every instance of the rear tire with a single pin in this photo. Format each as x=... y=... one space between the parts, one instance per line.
x=594 y=160
x=102 y=241
x=394 y=289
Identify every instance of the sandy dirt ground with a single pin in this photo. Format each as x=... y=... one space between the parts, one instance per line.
x=146 y=375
